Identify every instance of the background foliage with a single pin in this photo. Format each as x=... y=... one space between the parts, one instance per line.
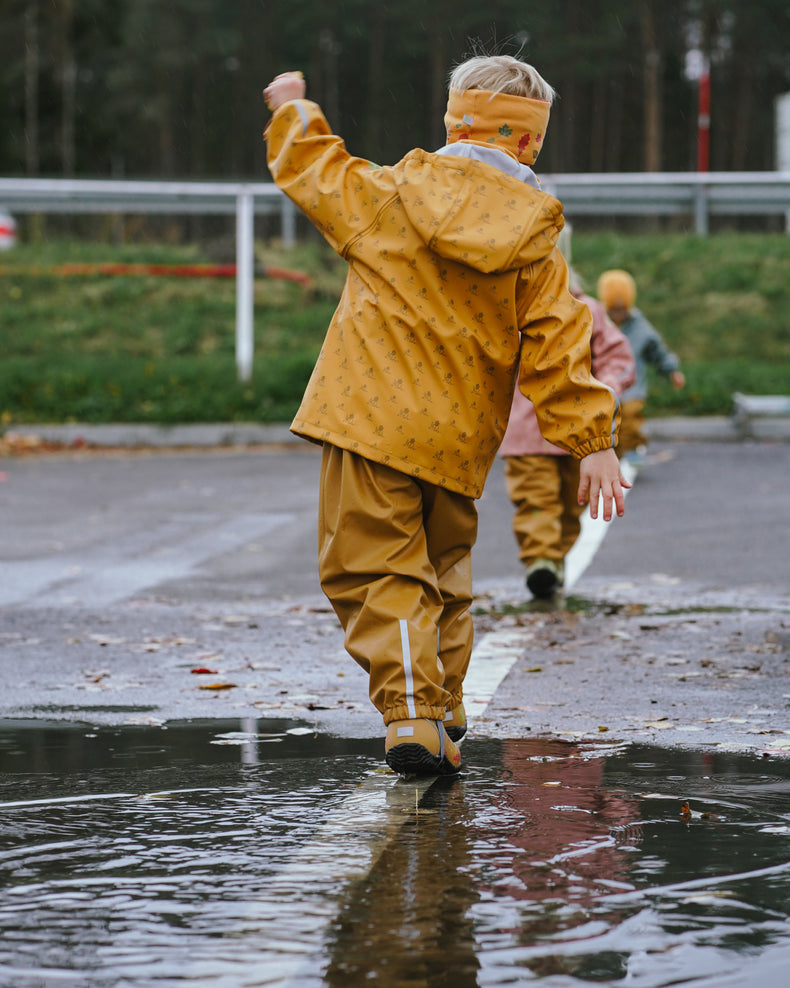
x=94 y=348
x=144 y=88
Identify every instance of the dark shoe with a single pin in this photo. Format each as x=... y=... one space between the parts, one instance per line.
x=544 y=577
x=420 y=747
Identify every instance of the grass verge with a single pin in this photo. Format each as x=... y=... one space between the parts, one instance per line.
x=96 y=348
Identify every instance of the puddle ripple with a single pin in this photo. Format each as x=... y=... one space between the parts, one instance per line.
x=149 y=857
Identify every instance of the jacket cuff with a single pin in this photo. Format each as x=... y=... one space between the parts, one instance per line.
x=595 y=445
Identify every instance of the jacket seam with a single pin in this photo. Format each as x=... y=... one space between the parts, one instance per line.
x=363 y=233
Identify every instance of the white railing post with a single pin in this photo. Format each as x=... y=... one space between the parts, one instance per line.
x=288 y=222
x=245 y=283
x=701 y=209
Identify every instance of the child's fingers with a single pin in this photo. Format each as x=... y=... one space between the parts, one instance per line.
x=614 y=497
x=584 y=490
x=595 y=497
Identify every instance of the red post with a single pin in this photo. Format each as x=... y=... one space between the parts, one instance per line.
x=703 y=123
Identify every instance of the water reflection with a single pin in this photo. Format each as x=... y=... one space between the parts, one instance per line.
x=549 y=862
x=264 y=853
x=409 y=922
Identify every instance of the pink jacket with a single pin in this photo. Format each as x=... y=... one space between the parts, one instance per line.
x=612 y=364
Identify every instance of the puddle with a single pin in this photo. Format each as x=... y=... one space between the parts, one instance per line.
x=261 y=853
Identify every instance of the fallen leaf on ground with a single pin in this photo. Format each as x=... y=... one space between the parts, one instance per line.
x=688 y=814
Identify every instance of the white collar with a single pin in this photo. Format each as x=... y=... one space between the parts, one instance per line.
x=493 y=156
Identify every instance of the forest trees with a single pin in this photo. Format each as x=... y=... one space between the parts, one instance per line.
x=141 y=88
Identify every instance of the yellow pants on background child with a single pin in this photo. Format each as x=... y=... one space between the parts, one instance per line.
x=547 y=519
x=632 y=427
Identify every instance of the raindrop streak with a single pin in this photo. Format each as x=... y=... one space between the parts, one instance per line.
x=233 y=853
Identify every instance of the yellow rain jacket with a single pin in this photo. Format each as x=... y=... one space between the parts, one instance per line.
x=454 y=277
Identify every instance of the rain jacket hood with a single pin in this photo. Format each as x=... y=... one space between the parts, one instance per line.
x=446 y=201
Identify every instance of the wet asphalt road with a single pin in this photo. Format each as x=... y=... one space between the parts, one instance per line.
x=122 y=572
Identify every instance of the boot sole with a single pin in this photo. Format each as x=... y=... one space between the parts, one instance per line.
x=414 y=759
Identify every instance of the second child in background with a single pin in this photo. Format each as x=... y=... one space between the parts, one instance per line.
x=617 y=291
x=541 y=478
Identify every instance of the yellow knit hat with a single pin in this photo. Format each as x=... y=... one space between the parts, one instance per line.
x=515 y=124
x=617 y=288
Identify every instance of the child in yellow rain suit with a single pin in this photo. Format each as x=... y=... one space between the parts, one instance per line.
x=454 y=282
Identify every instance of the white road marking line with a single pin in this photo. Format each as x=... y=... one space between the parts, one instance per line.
x=491 y=661
x=167 y=551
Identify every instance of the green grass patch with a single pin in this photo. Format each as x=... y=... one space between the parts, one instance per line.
x=99 y=348
x=141 y=348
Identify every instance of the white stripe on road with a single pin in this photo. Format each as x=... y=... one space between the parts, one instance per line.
x=491 y=661
x=144 y=559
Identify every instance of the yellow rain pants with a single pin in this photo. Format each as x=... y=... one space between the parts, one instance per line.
x=394 y=559
x=632 y=427
x=547 y=519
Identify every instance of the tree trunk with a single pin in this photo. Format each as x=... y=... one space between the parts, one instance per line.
x=32 y=62
x=376 y=48
x=614 y=129
x=68 y=75
x=438 y=75
x=652 y=91
x=598 y=126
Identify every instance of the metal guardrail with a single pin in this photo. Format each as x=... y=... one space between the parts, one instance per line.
x=747 y=408
x=245 y=200
x=66 y=195
x=696 y=194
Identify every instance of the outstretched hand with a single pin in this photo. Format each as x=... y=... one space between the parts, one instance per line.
x=284 y=87
x=600 y=474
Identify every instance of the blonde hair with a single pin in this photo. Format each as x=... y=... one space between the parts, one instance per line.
x=501 y=74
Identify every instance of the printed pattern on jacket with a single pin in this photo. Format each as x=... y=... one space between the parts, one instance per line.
x=453 y=278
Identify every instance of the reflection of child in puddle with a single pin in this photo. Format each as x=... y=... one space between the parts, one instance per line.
x=409 y=922
x=438 y=896
x=569 y=815
x=563 y=817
